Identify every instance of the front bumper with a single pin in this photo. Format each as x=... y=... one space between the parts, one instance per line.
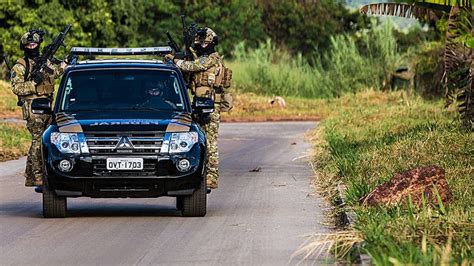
x=90 y=178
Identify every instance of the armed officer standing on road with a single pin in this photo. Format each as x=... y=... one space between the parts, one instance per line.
x=27 y=89
x=209 y=79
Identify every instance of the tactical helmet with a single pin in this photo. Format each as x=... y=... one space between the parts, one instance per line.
x=32 y=36
x=207 y=35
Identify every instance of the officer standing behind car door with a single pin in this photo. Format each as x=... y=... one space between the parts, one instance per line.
x=42 y=86
x=209 y=79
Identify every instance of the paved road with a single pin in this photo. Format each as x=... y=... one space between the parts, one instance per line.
x=254 y=218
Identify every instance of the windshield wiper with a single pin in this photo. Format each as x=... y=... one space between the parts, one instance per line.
x=86 y=110
x=143 y=108
x=132 y=108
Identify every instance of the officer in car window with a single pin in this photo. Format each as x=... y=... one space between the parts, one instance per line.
x=154 y=97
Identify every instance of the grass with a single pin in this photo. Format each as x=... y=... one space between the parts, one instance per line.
x=250 y=107
x=372 y=135
x=14 y=138
x=14 y=141
x=352 y=64
x=8 y=107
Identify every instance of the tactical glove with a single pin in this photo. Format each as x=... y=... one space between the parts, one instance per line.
x=204 y=119
x=169 y=58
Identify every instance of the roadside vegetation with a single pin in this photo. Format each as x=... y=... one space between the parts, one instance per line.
x=14 y=141
x=298 y=25
x=8 y=100
x=271 y=71
x=14 y=137
x=372 y=135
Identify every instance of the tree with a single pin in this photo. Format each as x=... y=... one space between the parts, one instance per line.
x=458 y=55
x=19 y=16
x=233 y=20
x=307 y=26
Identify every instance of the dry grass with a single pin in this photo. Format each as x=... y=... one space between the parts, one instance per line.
x=249 y=107
x=372 y=135
x=14 y=138
x=14 y=141
x=338 y=244
x=252 y=107
x=8 y=107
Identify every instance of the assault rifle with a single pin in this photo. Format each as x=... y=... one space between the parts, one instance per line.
x=189 y=34
x=41 y=64
x=7 y=63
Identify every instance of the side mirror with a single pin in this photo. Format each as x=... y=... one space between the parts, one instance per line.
x=41 y=106
x=203 y=105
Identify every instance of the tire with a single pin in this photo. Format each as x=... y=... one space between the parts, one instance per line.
x=53 y=205
x=179 y=203
x=195 y=205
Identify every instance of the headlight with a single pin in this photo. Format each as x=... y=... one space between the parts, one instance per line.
x=69 y=142
x=179 y=142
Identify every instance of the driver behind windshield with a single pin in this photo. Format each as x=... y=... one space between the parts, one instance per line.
x=155 y=96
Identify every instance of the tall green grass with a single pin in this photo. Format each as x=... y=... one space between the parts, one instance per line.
x=374 y=135
x=353 y=63
x=14 y=141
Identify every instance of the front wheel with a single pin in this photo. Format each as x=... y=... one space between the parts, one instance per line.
x=53 y=205
x=196 y=204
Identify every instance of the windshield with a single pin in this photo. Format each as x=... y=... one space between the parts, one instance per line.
x=122 y=89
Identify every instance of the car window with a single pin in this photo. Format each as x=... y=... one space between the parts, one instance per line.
x=122 y=89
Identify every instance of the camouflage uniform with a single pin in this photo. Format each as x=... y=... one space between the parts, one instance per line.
x=204 y=65
x=209 y=77
x=36 y=123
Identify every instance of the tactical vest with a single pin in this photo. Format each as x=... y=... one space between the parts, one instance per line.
x=217 y=76
x=45 y=88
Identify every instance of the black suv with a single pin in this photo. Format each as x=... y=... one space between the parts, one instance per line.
x=124 y=128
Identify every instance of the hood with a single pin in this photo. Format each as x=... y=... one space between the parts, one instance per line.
x=123 y=122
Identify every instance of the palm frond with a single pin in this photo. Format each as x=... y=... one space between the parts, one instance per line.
x=461 y=3
x=458 y=67
x=401 y=10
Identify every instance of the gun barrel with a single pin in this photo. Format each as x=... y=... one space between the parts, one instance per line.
x=67 y=28
x=172 y=43
x=7 y=62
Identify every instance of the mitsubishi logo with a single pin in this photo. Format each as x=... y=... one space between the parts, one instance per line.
x=124 y=143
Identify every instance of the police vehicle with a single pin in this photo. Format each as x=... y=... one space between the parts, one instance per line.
x=123 y=129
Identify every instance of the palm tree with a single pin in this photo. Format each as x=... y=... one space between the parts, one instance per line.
x=458 y=52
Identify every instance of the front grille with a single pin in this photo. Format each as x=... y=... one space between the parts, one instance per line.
x=105 y=143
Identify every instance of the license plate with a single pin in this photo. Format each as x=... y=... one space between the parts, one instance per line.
x=125 y=164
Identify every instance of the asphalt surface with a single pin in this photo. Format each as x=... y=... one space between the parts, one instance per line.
x=256 y=217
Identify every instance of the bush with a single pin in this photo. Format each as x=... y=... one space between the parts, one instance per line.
x=307 y=26
x=349 y=66
x=429 y=70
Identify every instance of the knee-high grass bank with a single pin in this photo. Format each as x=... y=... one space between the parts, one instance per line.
x=371 y=136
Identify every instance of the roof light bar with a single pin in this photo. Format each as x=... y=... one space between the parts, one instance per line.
x=121 y=51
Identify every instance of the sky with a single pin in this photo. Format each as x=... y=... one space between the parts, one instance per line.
x=401 y=22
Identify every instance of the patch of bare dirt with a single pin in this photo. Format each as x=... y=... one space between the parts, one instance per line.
x=422 y=182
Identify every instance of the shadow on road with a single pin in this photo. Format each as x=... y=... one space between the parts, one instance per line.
x=33 y=210
x=122 y=210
